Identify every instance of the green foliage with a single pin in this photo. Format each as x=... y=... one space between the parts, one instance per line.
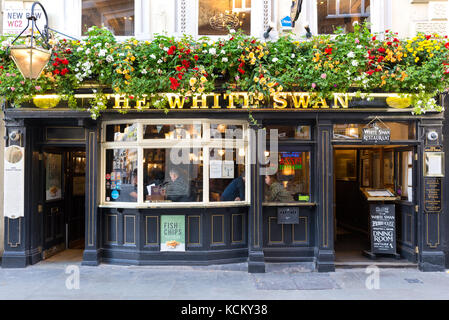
x=345 y=62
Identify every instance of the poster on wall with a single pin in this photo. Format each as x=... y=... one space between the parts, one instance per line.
x=14 y=179
x=173 y=233
x=53 y=176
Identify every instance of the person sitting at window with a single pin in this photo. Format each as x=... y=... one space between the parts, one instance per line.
x=276 y=192
x=155 y=181
x=235 y=191
x=176 y=189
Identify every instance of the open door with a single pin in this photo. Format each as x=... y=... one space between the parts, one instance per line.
x=54 y=204
x=64 y=199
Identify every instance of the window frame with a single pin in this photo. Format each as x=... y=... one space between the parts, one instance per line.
x=205 y=144
x=187 y=12
x=346 y=15
x=142 y=24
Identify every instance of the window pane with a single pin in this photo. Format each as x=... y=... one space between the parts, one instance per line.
x=121 y=132
x=398 y=131
x=116 y=15
x=292 y=181
x=173 y=175
x=216 y=17
x=223 y=131
x=291 y=132
x=349 y=11
x=227 y=175
x=121 y=175
x=172 y=131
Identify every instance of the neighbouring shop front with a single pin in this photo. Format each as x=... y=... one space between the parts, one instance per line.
x=214 y=183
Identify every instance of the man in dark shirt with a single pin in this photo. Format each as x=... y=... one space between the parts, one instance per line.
x=235 y=191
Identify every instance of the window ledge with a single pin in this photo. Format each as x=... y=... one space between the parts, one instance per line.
x=289 y=204
x=174 y=205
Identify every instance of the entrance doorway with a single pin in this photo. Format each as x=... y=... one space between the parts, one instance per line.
x=377 y=169
x=63 y=200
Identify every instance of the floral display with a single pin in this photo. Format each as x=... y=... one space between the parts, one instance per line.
x=346 y=62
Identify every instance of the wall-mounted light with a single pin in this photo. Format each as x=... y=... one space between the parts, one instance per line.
x=31 y=58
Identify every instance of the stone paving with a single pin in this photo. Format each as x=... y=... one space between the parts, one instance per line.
x=47 y=280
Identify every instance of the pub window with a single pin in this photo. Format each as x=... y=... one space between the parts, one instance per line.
x=341 y=13
x=121 y=175
x=173 y=175
x=227 y=174
x=217 y=17
x=116 y=15
x=163 y=162
x=291 y=182
x=298 y=132
x=353 y=131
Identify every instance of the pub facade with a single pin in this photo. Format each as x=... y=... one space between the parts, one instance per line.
x=101 y=181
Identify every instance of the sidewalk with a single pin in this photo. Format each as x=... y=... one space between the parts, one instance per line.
x=47 y=280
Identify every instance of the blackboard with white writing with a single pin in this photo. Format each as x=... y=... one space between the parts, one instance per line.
x=383 y=228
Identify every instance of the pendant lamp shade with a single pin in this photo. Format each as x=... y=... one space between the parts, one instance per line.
x=30 y=60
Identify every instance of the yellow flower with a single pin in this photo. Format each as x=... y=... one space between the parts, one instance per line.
x=127 y=77
x=192 y=82
x=251 y=54
x=200 y=89
x=133 y=58
x=417 y=59
x=256 y=79
x=203 y=79
x=118 y=71
x=271 y=84
x=135 y=42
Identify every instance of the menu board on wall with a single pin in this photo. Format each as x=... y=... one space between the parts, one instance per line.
x=173 y=233
x=432 y=195
x=383 y=228
x=14 y=180
x=53 y=176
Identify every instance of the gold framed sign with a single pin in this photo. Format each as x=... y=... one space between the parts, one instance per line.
x=434 y=164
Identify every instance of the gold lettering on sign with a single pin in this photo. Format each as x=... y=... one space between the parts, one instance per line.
x=321 y=104
x=174 y=101
x=142 y=104
x=298 y=103
x=338 y=100
x=216 y=101
x=203 y=101
x=280 y=100
x=121 y=99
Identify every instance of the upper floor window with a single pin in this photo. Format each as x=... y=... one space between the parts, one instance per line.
x=116 y=15
x=341 y=13
x=216 y=17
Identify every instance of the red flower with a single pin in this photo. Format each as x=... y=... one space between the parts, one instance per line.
x=241 y=71
x=328 y=50
x=55 y=64
x=395 y=40
x=1 y=67
x=180 y=76
x=179 y=68
x=381 y=50
x=196 y=57
x=56 y=71
x=188 y=51
x=374 y=38
x=389 y=43
x=232 y=38
x=380 y=59
x=64 y=71
x=65 y=61
x=171 y=50
x=174 y=83
x=253 y=42
x=428 y=37
x=370 y=72
x=186 y=64
x=131 y=97
x=446 y=45
x=446 y=71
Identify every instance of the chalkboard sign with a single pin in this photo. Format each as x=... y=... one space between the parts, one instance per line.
x=383 y=228
x=288 y=215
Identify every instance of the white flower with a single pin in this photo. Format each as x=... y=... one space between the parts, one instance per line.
x=355 y=63
x=80 y=49
x=232 y=31
x=351 y=54
x=98 y=45
x=102 y=52
x=224 y=59
x=87 y=51
x=293 y=56
x=359 y=46
x=275 y=60
x=212 y=51
x=121 y=54
x=144 y=71
x=159 y=61
x=109 y=58
x=355 y=23
x=153 y=56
